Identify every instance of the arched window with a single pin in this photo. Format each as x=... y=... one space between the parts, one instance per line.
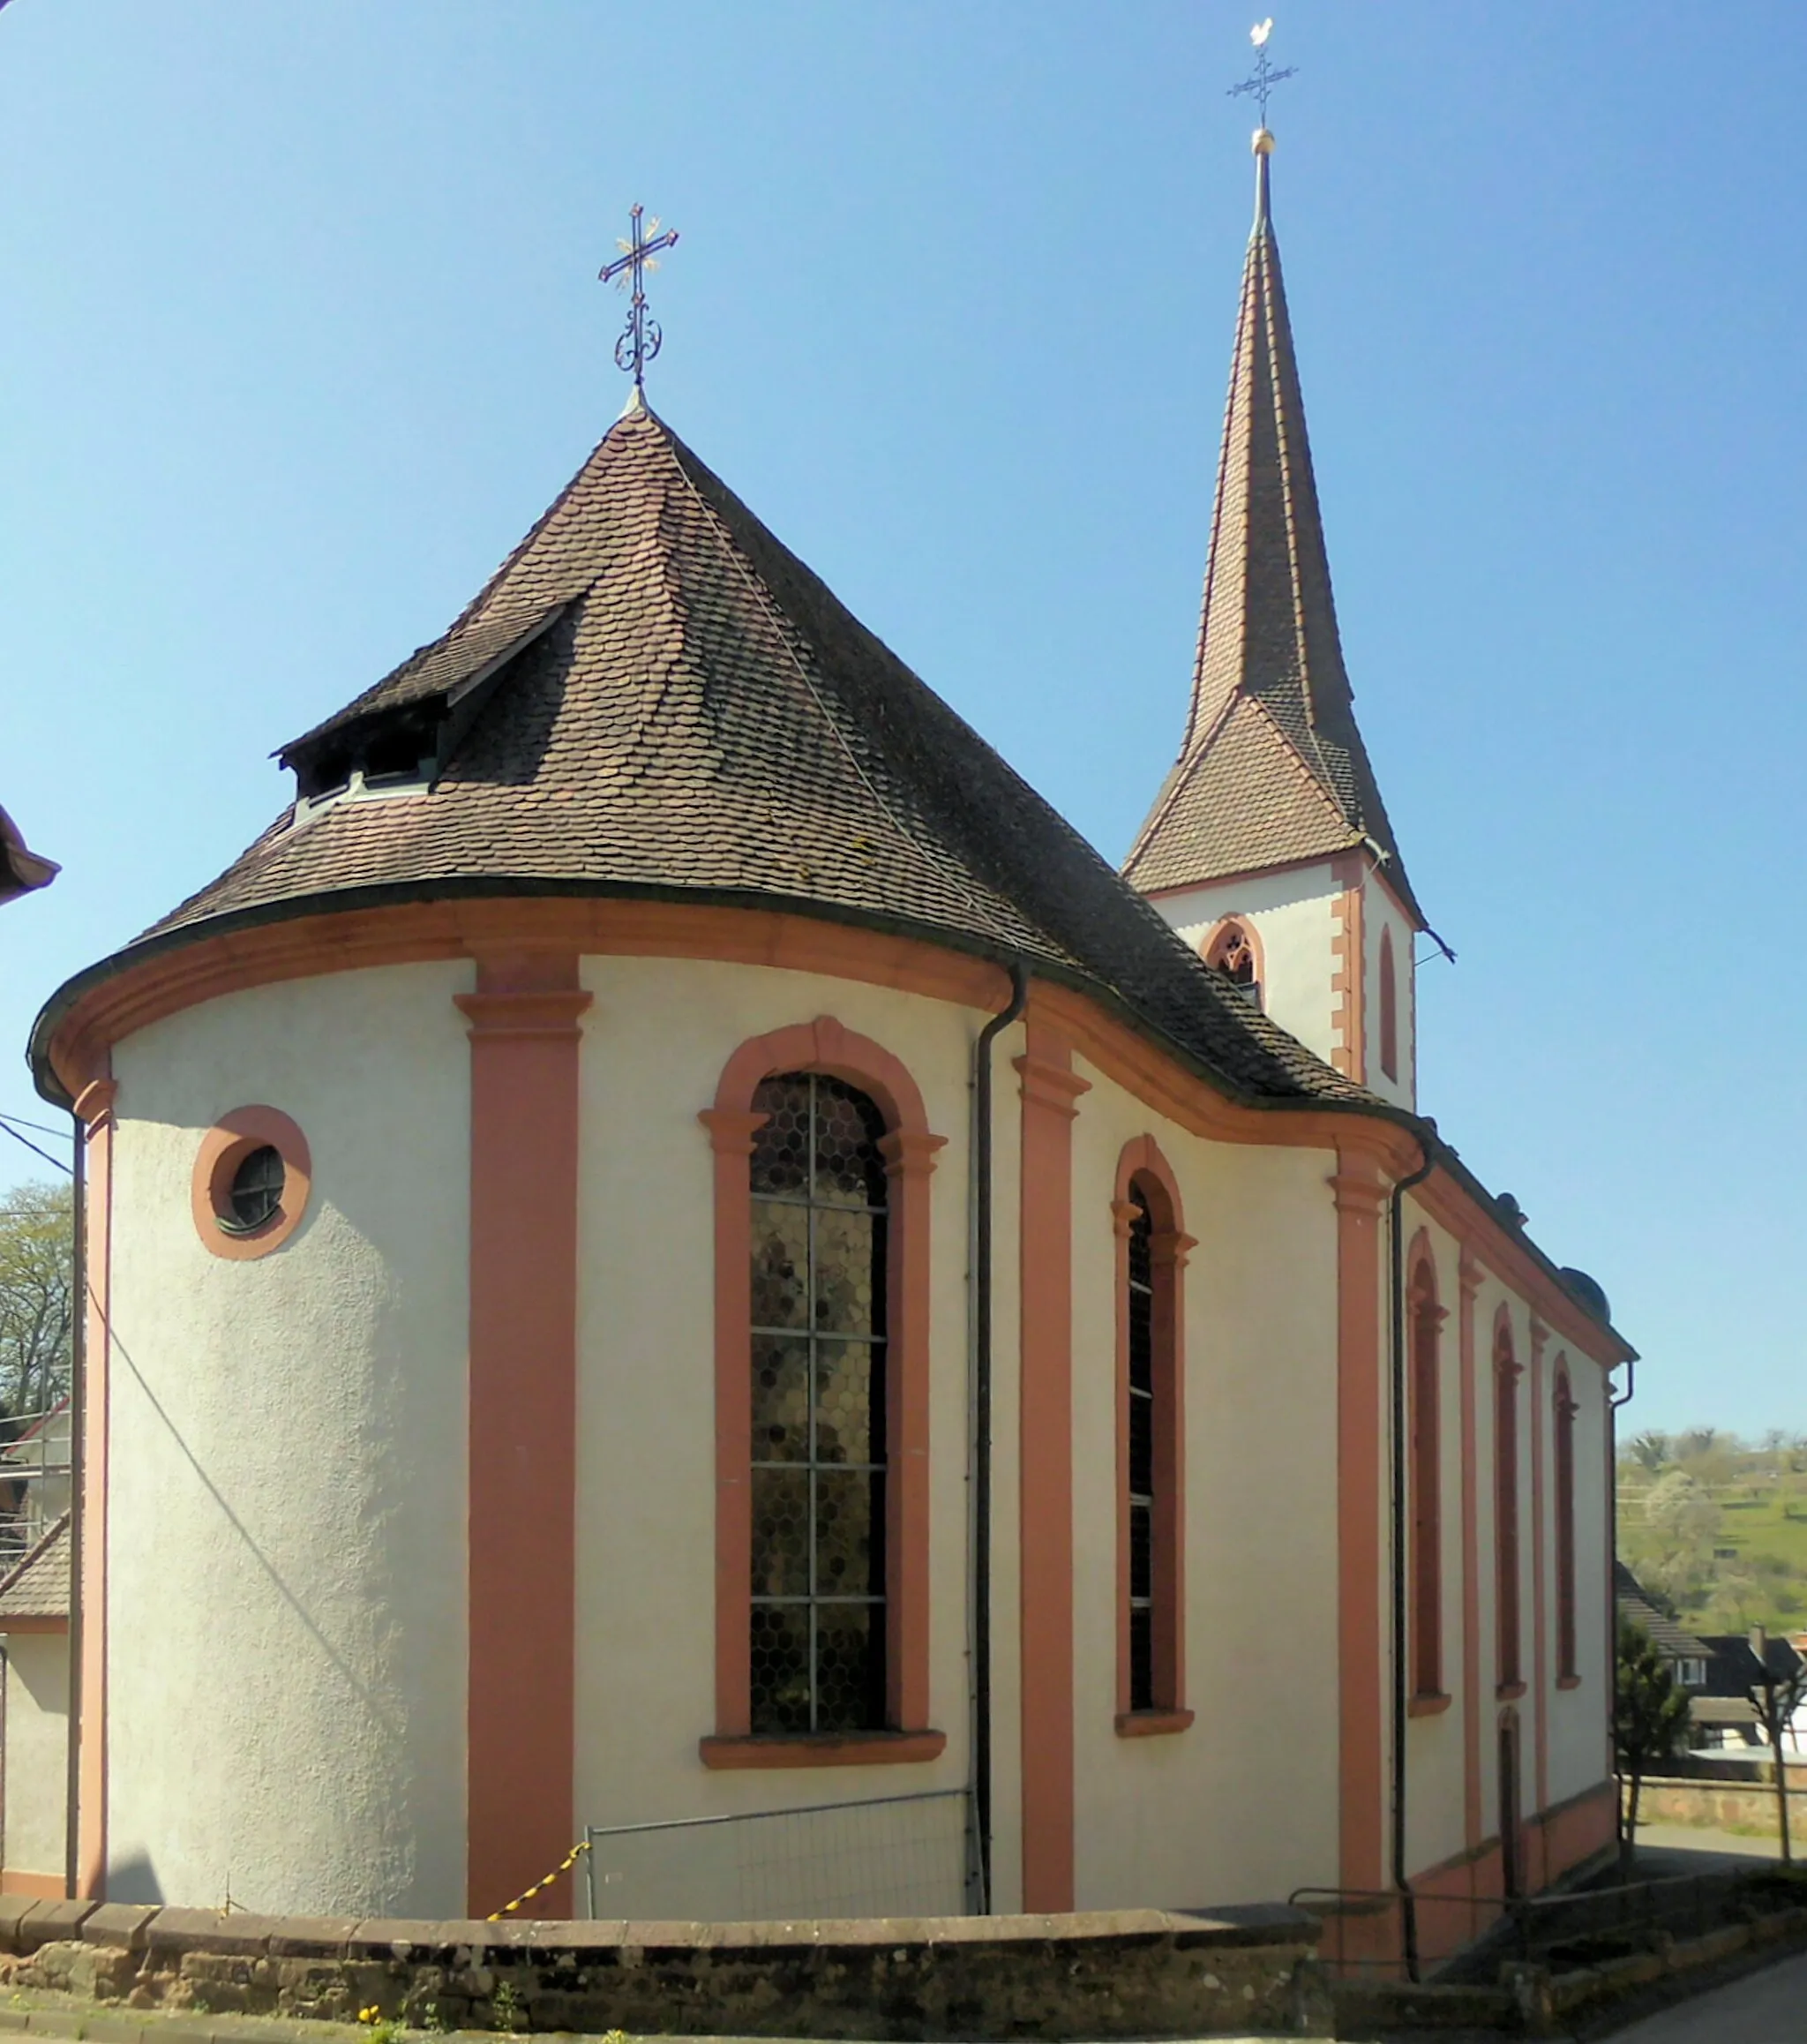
x=822 y=1165
x=1567 y=1668
x=1505 y=1516
x=1389 y=1007
x=1425 y=1323
x=820 y=1323
x=1232 y=951
x=1152 y=1263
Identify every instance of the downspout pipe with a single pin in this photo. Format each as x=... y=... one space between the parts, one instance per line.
x=78 y=1459
x=1408 y=1902
x=982 y=1424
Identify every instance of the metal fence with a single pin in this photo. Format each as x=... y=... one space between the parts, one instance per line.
x=908 y=1855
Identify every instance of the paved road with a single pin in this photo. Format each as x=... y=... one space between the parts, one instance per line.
x=1764 y=2008
x=1664 y=1849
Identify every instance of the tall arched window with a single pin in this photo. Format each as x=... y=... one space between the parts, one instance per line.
x=1232 y=952
x=1506 y=1516
x=1567 y=1668
x=1389 y=1007
x=1425 y=1323
x=820 y=1323
x=1151 y=1262
x=823 y=1158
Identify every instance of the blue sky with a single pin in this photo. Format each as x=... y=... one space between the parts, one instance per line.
x=301 y=331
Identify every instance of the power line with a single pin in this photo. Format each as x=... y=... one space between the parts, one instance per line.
x=42 y=1128
x=7 y=1128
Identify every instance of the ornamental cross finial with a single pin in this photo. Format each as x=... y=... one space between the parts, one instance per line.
x=641 y=338
x=1262 y=79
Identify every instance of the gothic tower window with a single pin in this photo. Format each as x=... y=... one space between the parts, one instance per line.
x=1389 y=1007
x=1232 y=952
x=819 y=1336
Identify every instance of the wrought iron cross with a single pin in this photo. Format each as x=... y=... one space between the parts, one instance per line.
x=1262 y=79
x=640 y=339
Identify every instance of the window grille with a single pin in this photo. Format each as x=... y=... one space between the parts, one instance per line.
x=1142 y=1426
x=820 y=1329
x=256 y=1195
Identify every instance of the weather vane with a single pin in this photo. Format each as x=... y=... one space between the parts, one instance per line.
x=1262 y=79
x=640 y=339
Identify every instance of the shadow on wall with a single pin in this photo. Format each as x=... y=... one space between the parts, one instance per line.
x=134 y=1880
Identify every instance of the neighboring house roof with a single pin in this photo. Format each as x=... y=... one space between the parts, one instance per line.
x=20 y=870
x=652 y=696
x=1733 y=1668
x=37 y=1585
x=1272 y=769
x=1668 y=1638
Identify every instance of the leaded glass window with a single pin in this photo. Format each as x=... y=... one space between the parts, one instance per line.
x=818 y=1342
x=1141 y=1426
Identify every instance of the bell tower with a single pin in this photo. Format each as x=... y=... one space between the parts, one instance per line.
x=1268 y=846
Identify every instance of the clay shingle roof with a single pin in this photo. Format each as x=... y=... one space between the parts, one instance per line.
x=37 y=1585
x=652 y=696
x=1271 y=704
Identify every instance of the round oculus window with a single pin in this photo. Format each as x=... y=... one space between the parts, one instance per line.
x=255 y=1197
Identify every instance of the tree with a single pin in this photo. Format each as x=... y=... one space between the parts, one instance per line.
x=1673 y=1543
x=1777 y=1686
x=1651 y=1450
x=1649 y=1714
x=37 y=1298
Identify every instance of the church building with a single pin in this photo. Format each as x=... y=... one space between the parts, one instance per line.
x=670 y=1241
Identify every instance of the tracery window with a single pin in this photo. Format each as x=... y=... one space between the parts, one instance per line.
x=1564 y=1461
x=1232 y=952
x=820 y=1329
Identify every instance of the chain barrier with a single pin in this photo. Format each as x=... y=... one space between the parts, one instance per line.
x=564 y=1866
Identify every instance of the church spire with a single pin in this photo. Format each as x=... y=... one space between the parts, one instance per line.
x=1272 y=769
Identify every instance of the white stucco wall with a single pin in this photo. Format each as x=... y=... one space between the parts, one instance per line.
x=1381 y=917
x=656 y=1042
x=286 y=1550
x=1578 y=1753
x=1436 y=1828
x=36 y=1759
x=1243 y=1805
x=1294 y=913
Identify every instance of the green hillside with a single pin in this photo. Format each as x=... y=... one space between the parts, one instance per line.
x=1716 y=1527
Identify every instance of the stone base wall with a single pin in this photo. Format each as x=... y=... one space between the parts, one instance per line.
x=1724 y=1805
x=1118 y=1974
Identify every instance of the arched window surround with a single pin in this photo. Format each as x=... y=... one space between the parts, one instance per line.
x=1424 y=1320
x=1508 y=1570
x=1389 y=1007
x=1142 y=1166
x=1563 y=1410
x=909 y=1149
x=1225 y=934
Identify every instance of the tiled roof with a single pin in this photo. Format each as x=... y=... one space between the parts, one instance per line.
x=701 y=717
x=1267 y=636
x=37 y=1585
x=1664 y=1633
